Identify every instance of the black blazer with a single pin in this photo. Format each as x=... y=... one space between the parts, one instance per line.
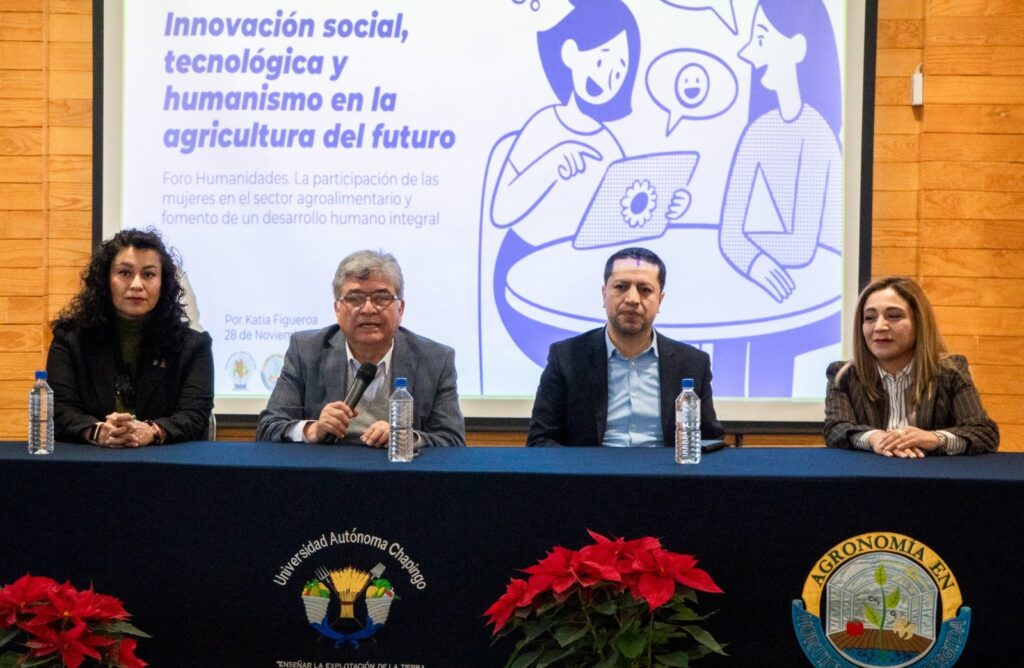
x=176 y=393
x=580 y=365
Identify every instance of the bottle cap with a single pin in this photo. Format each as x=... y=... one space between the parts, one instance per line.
x=687 y=383
x=401 y=382
x=40 y=375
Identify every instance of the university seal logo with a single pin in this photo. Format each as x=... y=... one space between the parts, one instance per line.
x=881 y=599
x=331 y=597
x=340 y=581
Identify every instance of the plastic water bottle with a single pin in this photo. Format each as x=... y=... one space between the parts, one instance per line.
x=400 y=412
x=40 y=417
x=688 y=425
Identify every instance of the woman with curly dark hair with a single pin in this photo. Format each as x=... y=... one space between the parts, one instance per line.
x=126 y=369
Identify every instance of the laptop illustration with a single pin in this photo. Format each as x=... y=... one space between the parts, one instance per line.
x=632 y=201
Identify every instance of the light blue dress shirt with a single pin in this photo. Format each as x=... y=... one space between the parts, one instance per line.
x=634 y=398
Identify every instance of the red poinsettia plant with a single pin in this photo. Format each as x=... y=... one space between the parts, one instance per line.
x=58 y=625
x=613 y=603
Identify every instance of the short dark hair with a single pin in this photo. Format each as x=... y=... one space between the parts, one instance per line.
x=639 y=254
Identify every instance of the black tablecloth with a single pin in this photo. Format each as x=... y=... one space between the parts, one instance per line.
x=209 y=544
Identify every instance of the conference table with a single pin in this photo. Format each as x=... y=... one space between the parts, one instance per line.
x=211 y=546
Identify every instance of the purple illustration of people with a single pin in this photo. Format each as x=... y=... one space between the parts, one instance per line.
x=744 y=202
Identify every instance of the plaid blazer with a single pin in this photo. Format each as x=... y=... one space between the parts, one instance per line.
x=954 y=406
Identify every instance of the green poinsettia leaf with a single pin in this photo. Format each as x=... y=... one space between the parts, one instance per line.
x=9 y=660
x=610 y=661
x=544 y=607
x=515 y=652
x=660 y=634
x=632 y=644
x=606 y=608
x=880 y=575
x=566 y=635
x=535 y=629
x=873 y=616
x=687 y=614
x=45 y=661
x=120 y=626
x=525 y=660
x=705 y=638
x=674 y=660
x=551 y=656
x=6 y=636
x=697 y=652
x=892 y=599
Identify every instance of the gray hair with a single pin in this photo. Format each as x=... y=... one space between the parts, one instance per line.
x=363 y=264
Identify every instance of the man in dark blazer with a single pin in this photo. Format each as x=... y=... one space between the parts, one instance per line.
x=572 y=402
x=307 y=401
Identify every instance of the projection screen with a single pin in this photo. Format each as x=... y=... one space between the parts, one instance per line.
x=501 y=150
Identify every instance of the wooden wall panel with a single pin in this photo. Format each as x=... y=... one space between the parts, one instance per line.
x=21 y=55
x=22 y=224
x=23 y=199
x=17 y=367
x=959 y=205
x=962 y=147
x=21 y=141
x=22 y=282
x=900 y=33
x=896 y=233
x=900 y=9
x=976 y=30
x=981 y=90
x=980 y=60
x=19 y=169
x=982 y=176
x=980 y=291
x=71 y=28
x=20 y=26
x=22 y=83
x=83 y=7
x=20 y=113
x=896 y=62
x=71 y=225
x=896 y=176
x=975 y=118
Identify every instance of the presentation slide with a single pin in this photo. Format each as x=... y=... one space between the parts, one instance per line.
x=501 y=150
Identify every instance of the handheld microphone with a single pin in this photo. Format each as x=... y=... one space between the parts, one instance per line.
x=364 y=376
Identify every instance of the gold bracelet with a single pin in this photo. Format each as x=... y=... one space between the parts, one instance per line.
x=158 y=433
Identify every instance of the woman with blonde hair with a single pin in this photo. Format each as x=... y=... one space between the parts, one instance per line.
x=903 y=394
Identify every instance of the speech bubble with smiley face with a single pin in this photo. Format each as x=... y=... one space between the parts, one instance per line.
x=689 y=83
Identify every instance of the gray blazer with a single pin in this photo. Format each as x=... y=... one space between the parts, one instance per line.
x=315 y=374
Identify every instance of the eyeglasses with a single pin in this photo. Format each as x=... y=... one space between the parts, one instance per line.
x=381 y=299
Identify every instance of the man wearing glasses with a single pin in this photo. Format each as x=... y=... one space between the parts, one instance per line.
x=320 y=365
